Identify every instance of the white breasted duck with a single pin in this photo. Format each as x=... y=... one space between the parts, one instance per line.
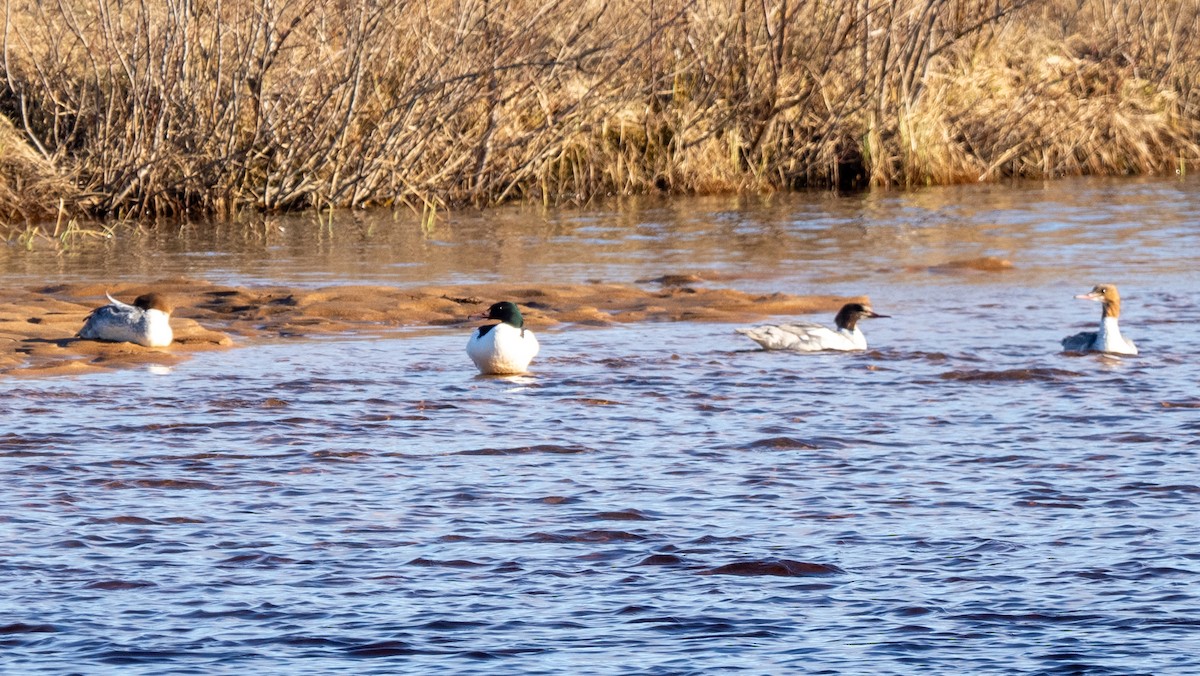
x=1108 y=338
x=146 y=322
x=812 y=337
x=505 y=348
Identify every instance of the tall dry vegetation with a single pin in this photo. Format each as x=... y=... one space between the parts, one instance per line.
x=170 y=107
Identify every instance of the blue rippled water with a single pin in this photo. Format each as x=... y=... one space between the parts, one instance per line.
x=656 y=498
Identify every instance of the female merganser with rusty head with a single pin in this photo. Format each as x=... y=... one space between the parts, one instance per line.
x=1108 y=338
x=812 y=337
x=504 y=348
x=146 y=322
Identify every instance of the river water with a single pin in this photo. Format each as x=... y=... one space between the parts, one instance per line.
x=657 y=498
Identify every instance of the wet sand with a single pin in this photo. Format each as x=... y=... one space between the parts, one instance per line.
x=38 y=324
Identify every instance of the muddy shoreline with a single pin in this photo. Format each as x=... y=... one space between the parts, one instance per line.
x=38 y=324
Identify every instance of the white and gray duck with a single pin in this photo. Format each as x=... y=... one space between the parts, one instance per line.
x=147 y=322
x=813 y=337
x=505 y=348
x=1108 y=337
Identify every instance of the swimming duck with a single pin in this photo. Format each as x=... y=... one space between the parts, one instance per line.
x=1108 y=338
x=146 y=322
x=812 y=337
x=504 y=348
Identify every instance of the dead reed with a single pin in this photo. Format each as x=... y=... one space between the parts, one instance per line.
x=136 y=108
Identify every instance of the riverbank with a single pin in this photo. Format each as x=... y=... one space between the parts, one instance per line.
x=38 y=325
x=291 y=106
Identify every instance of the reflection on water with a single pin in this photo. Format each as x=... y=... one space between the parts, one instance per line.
x=657 y=498
x=790 y=241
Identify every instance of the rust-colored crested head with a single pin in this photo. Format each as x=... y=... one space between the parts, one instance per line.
x=154 y=301
x=1107 y=294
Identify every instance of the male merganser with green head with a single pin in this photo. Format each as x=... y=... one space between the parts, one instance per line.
x=504 y=348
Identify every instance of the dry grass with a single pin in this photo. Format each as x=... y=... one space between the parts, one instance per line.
x=179 y=107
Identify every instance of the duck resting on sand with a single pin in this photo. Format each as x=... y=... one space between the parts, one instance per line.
x=1108 y=338
x=812 y=337
x=146 y=322
x=505 y=348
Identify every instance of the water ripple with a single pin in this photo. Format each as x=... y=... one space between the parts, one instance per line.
x=656 y=499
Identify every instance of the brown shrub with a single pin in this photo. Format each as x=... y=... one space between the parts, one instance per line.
x=176 y=107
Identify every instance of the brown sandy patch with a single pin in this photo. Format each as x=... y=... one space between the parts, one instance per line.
x=38 y=325
x=981 y=264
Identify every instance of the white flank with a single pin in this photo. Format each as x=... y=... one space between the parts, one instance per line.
x=503 y=350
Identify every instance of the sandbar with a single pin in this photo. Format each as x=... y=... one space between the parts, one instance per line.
x=38 y=324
